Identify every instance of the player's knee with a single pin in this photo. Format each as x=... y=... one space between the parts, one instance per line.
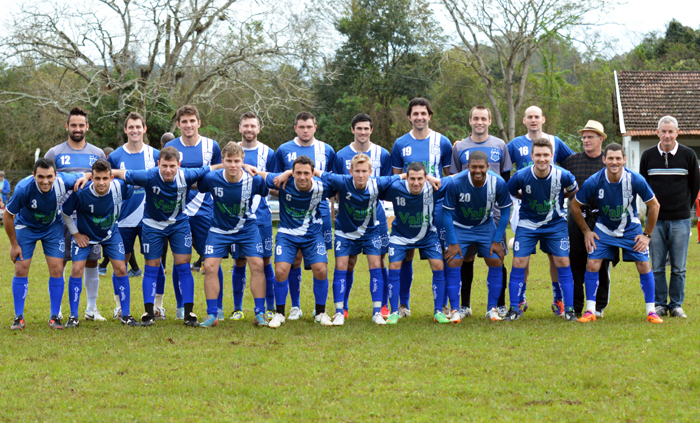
x=119 y=268
x=256 y=264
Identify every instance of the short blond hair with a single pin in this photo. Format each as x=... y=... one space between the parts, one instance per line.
x=360 y=159
x=232 y=149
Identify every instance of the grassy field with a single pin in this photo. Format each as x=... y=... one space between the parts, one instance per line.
x=539 y=368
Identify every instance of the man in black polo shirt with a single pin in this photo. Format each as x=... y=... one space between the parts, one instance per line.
x=582 y=166
x=671 y=170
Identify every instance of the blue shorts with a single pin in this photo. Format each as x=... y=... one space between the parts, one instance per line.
x=429 y=247
x=384 y=234
x=439 y=225
x=129 y=238
x=113 y=248
x=246 y=243
x=554 y=240
x=265 y=233
x=327 y=227
x=94 y=255
x=199 y=227
x=477 y=239
x=51 y=240
x=370 y=244
x=313 y=248
x=178 y=234
x=606 y=246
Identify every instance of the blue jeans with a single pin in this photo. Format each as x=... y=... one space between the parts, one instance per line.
x=670 y=239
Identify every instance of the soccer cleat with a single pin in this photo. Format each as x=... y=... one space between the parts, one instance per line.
x=220 y=314
x=404 y=311
x=513 y=314
x=599 y=314
x=72 y=322
x=147 y=319
x=440 y=317
x=191 y=320
x=102 y=271
x=393 y=318
x=446 y=310
x=677 y=312
x=558 y=308
x=385 y=311
x=654 y=318
x=117 y=314
x=502 y=311
x=345 y=314
x=197 y=266
x=523 y=306
x=159 y=313
x=588 y=316
x=465 y=312
x=60 y=313
x=661 y=310
x=378 y=319
x=95 y=316
x=295 y=313
x=18 y=323
x=570 y=316
x=237 y=315
x=260 y=321
x=269 y=314
x=276 y=321
x=130 y=321
x=134 y=273
x=323 y=319
x=455 y=316
x=180 y=313
x=210 y=321
x=55 y=322
x=339 y=319
x=493 y=315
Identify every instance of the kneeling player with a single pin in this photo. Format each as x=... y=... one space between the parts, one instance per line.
x=233 y=227
x=98 y=207
x=414 y=227
x=469 y=203
x=615 y=190
x=30 y=216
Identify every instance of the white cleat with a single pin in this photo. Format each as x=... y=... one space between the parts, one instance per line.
x=94 y=316
x=159 y=313
x=276 y=321
x=338 y=319
x=60 y=313
x=455 y=316
x=117 y=313
x=493 y=315
x=378 y=319
x=465 y=312
x=295 y=313
x=323 y=319
x=404 y=311
x=502 y=311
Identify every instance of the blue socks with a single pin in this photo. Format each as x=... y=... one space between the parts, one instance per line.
x=349 y=280
x=566 y=280
x=376 y=288
x=452 y=285
x=149 y=284
x=125 y=293
x=238 y=283
x=75 y=287
x=339 y=280
x=385 y=292
x=184 y=274
x=438 y=289
x=160 y=281
x=56 y=287
x=281 y=289
x=590 y=281
x=321 y=292
x=176 y=288
x=394 y=287
x=406 y=282
x=516 y=287
x=494 y=282
x=259 y=305
x=220 y=299
x=212 y=307
x=646 y=280
x=294 y=280
x=556 y=292
x=20 y=287
x=270 y=287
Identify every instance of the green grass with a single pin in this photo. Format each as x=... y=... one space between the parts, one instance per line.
x=540 y=368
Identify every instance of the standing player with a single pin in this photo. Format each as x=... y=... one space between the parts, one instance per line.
x=77 y=155
x=469 y=204
x=380 y=160
x=30 y=216
x=542 y=188
x=520 y=149
x=300 y=230
x=415 y=201
x=499 y=163
x=261 y=157
x=98 y=207
x=135 y=155
x=323 y=156
x=233 y=229
x=616 y=189
x=197 y=151
x=164 y=219
x=432 y=149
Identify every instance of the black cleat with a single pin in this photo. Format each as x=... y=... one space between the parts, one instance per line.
x=72 y=322
x=191 y=320
x=18 y=324
x=55 y=322
x=513 y=314
x=570 y=316
x=130 y=321
x=146 y=319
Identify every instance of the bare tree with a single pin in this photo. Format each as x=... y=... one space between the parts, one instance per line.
x=499 y=38
x=153 y=55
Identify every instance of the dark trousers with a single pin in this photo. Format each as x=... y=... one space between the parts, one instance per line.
x=578 y=256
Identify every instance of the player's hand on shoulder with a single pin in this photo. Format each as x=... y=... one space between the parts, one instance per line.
x=281 y=179
x=82 y=181
x=252 y=170
x=435 y=182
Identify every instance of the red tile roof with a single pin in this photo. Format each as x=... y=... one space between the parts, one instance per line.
x=648 y=96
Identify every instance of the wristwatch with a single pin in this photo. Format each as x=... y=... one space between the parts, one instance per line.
x=646 y=235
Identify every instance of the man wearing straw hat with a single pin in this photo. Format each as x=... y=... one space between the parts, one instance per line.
x=583 y=165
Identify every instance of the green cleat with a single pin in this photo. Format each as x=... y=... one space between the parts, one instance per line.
x=393 y=318
x=441 y=318
x=237 y=315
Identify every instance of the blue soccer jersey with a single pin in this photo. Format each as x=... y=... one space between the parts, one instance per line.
x=166 y=202
x=132 y=210
x=435 y=152
x=261 y=157
x=542 y=198
x=414 y=213
x=98 y=214
x=381 y=160
x=520 y=149
x=617 y=202
x=357 y=209
x=471 y=206
x=299 y=210
x=205 y=153
x=321 y=153
x=35 y=209
x=233 y=201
